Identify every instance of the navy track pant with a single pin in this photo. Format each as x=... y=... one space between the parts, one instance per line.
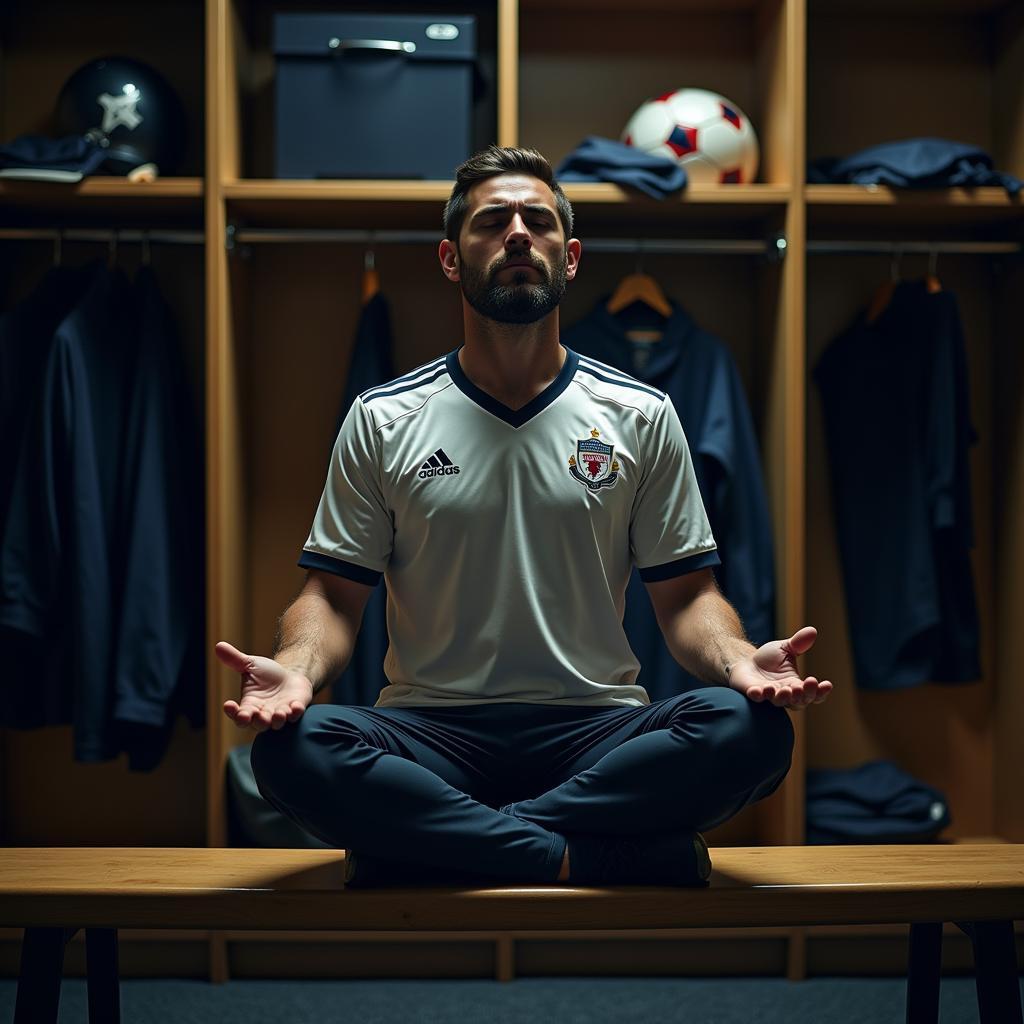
x=425 y=785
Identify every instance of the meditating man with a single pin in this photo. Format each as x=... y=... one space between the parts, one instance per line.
x=505 y=491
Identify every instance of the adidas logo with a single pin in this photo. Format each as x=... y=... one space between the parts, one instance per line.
x=438 y=465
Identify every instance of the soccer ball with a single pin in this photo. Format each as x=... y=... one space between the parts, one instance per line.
x=702 y=131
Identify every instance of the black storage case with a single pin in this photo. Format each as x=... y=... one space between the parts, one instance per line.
x=373 y=95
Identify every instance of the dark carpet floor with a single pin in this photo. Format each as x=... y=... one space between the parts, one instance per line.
x=523 y=1001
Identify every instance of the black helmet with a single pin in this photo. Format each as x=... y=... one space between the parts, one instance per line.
x=129 y=109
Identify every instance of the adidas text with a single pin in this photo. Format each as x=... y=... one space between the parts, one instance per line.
x=441 y=471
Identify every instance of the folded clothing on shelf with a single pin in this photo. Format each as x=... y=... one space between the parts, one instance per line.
x=597 y=159
x=876 y=802
x=913 y=163
x=38 y=158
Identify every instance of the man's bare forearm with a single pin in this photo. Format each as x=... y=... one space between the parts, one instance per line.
x=707 y=637
x=312 y=638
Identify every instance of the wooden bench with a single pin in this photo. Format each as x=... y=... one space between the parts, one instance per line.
x=53 y=892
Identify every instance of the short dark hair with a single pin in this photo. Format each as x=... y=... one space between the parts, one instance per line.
x=500 y=160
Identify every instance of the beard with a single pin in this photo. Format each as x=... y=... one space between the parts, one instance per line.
x=523 y=301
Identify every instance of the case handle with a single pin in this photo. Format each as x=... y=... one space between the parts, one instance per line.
x=337 y=45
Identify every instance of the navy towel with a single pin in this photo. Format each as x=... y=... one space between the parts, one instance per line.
x=597 y=159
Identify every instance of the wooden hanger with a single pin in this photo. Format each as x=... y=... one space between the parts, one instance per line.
x=884 y=293
x=931 y=281
x=639 y=287
x=371 y=279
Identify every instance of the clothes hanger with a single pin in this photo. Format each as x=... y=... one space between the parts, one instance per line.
x=145 y=248
x=112 y=257
x=883 y=294
x=58 y=242
x=371 y=279
x=639 y=287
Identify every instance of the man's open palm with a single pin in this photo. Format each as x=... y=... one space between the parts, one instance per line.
x=771 y=673
x=271 y=694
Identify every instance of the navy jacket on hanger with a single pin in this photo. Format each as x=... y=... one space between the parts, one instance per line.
x=25 y=334
x=95 y=570
x=697 y=371
x=36 y=677
x=370 y=366
x=159 y=659
x=895 y=402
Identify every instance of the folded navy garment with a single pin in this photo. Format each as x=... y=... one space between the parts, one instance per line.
x=597 y=159
x=39 y=158
x=913 y=163
x=876 y=802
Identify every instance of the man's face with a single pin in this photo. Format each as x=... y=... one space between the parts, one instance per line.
x=514 y=260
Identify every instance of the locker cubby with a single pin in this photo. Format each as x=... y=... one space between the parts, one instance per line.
x=46 y=797
x=951 y=71
x=42 y=44
x=251 y=90
x=575 y=83
x=946 y=734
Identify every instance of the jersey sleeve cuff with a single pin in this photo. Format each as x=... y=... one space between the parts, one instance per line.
x=351 y=571
x=691 y=563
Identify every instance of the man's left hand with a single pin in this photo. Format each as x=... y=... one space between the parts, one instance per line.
x=770 y=673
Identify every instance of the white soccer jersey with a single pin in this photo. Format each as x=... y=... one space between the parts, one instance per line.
x=507 y=537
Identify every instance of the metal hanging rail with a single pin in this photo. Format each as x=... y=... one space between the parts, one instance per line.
x=104 y=235
x=705 y=246
x=245 y=236
x=773 y=247
x=965 y=248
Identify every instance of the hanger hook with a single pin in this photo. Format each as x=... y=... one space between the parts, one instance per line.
x=369 y=260
x=58 y=240
x=933 y=260
x=145 y=247
x=113 y=249
x=639 y=256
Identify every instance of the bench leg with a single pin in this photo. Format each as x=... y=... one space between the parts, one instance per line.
x=924 y=972
x=101 y=974
x=42 y=967
x=995 y=970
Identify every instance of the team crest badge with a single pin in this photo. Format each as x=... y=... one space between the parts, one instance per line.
x=594 y=464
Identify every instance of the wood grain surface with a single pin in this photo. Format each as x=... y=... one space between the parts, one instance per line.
x=282 y=889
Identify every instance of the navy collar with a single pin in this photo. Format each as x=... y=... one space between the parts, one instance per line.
x=513 y=417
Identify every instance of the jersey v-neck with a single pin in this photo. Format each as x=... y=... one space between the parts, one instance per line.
x=513 y=417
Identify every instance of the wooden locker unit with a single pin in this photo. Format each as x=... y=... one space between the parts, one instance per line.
x=45 y=792
x=280 y=319
x=953 y=80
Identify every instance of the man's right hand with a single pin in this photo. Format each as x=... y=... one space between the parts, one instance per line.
x=271 y=693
